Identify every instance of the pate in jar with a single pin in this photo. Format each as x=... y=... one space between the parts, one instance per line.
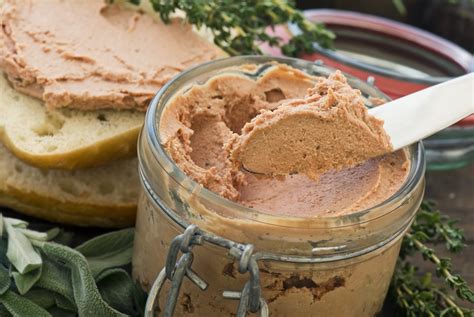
x=211 y=241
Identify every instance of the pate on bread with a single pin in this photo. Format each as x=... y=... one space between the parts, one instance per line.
x=92 y=55
x=66 y=139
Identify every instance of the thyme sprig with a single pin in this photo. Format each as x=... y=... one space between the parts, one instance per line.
x=418 y=295
x=239 y=27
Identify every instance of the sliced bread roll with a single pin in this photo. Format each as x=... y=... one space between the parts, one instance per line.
x=64 y=139
x=99 y=196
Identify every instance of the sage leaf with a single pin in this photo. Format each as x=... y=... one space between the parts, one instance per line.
x=24 y=282
x=17 y=223
x=59 y=312
x=48 y=299
x=119 y=291
x=20 y=252
x=106 y=243
x=3 y=311
x=5 y=280
x=41 y=236
x=3 y=252
x=1 y=224
x=20 y=306
x=64 y=237
x=86 y=294
x=63 y=303
x=108 y=250
x=56 y=278
x=41 y=297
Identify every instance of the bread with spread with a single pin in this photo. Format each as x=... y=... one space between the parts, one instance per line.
x=66 y=139
x=94 y=94
x=76 y=79
x=91 y=55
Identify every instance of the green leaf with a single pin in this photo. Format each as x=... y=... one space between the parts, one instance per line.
x=107 y=242
x=426 y=280
x=24 y=282
x=119 y=291
x=3 y=311
x=400 y=6
x=58 y=312
x=41 y=236
x=64 y=237
x=20 y=252
x=3 y=252
x=56 y=278
x=108 y=250
x=41 y=297
x=17 y=223
x=48 y=299
x=59 y=278
x=1 y=221
x=5 y=280
x=86 y=295
x=63 y=303
x=20 y=306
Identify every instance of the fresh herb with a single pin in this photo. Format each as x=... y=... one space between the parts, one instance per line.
x=240 y=27
x=400 y=6
x=417 y=295
x=39 y=277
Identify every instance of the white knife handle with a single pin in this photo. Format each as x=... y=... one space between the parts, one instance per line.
x=423 y=113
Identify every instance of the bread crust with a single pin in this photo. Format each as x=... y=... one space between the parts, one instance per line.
x=68 y=213
x=103 y=197
x=123 y=145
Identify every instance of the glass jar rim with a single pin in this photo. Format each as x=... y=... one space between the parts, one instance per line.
x=161 y=156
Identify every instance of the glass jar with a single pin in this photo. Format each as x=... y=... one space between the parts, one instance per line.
x=326 y=266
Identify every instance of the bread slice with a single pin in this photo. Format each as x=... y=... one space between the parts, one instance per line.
x=67 y=139
x=100 y=196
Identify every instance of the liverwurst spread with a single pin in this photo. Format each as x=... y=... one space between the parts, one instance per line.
x=204 y=128
x=90 y=55
x=328 y=129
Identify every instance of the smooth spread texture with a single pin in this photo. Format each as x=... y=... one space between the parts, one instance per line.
x=90 y=55
x=199 y=127
x=329 y=129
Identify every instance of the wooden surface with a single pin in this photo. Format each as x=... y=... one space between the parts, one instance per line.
x=454 y=193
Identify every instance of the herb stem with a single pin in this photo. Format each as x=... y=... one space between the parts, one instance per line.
x=417 y=295
x=450 y=302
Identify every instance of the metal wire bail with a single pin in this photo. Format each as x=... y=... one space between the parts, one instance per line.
x=250 y=299
x=175 y=271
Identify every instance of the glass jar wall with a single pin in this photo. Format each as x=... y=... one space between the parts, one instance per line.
x=327 y=266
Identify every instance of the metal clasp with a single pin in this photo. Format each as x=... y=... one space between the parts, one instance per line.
x=250 y=299
x=175 y=271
